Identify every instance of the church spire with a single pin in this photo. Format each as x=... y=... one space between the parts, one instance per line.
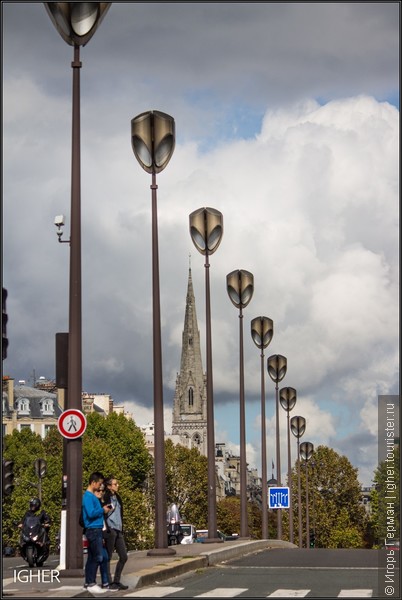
x=189 y=405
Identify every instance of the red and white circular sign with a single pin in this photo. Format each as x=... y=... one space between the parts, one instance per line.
x=72 y=423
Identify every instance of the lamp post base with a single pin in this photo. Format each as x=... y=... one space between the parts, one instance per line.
x=161 y=551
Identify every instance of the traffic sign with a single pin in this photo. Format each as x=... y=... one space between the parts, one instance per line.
x=278 y=497
x=72 y=423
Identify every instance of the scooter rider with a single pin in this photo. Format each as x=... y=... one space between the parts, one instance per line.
x=45 y=521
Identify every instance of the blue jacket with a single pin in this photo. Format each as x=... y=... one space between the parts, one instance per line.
x=92 y=511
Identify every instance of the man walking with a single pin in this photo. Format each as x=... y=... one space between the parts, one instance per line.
x=93 y=516
x=115 y=539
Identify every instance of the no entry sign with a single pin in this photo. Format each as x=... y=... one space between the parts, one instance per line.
x=72 y=423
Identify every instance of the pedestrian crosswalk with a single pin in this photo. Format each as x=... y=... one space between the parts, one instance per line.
x=164 y=591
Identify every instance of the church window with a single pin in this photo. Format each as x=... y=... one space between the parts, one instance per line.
x=190 y=341
x=190 y=397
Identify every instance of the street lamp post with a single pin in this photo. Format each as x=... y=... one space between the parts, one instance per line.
x=306 y=452
x=298 y=427
x=262 y=331
x=206 y=230
x=153 y=142
x=277 y=366
x=287 y=398
x=76 y=22
x=240 y=287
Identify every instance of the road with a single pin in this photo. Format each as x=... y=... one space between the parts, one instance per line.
x=281 y=573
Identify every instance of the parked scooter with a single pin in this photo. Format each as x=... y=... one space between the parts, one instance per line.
x=34 y=539
x=175 y=534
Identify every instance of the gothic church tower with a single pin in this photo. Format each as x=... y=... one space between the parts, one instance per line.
x=190 y=399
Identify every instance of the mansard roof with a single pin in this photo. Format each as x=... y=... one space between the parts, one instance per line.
x=36 y=398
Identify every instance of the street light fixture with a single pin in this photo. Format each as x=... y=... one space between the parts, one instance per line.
x=306 y=452
x=287 y=398
x=76 y=22
x=153 y=142
x=240 y=287
x=262 y=331
x=298 y=427
x=277 y=367
x=206 y=230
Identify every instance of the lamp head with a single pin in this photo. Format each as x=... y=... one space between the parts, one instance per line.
x=277 y=367
x=206 y=229
x=240 y=287
x=59 y=220
x=306 y=450
x=298 y=426
x=153 y=140
x=262 y=331
x=287 y=398
x=77 y=22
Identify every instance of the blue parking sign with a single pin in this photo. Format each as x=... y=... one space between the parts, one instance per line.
x=278 y=497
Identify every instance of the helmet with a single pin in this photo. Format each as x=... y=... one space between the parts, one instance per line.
x=34 y=504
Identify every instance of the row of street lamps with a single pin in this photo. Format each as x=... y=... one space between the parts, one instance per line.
x=153 y=142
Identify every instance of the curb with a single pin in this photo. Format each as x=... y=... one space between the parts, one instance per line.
x=162 y=572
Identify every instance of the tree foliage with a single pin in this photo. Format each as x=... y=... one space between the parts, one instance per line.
x=113 y=445
x=335 y=511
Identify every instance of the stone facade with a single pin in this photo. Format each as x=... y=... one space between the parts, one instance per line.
x=189 y=420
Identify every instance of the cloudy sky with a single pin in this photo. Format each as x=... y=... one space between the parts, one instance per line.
x=287 y=121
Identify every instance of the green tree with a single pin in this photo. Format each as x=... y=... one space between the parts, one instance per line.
x=113 y=445
x=187 y=482
x=335 y=511
x=228 y=517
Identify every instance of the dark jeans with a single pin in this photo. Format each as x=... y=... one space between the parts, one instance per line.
x=116 y=540
x=95 y=554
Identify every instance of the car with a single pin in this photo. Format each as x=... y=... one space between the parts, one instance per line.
x=188 y=532
x=392 y=545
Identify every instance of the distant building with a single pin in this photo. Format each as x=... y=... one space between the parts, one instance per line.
x=28 y=407
x=38 y=408
x=189 y=420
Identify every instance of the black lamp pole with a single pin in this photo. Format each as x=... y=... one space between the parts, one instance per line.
x=287 y=398
x=153 y=141
x=206 y=230
x=76 y=22
x=298 y=427
x=306 y=452
x=277 y=367
x=262 y=331
x=240 y=287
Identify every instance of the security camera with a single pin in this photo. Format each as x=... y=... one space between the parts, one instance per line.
x=59 y=220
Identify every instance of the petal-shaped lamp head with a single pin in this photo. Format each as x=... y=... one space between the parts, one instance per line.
x=277 y=367
x=287 y=398
x=206 y=229
x=153 y=140
x=77 y=22
x=262 y=331
x=240 y=287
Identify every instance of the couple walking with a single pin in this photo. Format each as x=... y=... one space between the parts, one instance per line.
x=102 y=511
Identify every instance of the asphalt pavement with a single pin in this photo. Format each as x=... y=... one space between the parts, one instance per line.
x=140 y=570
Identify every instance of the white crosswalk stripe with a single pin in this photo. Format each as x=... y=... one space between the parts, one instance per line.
x=162 y=591
x=222 y=593
x=355 y=594
x=153 y=592
x=288 y=594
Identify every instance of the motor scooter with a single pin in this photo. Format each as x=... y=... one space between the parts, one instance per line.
x=174 y=532
x=34 y=541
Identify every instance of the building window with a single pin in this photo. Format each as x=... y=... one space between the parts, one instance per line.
x=47 y=428
x=47 y=406
x=23 y=406
x=21 y=427
x=190 y=397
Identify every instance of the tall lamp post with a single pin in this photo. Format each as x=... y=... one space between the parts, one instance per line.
x=76 y=22
x=262 y=331
x=153 y=142
x=287 y=398
x=206 y=230
x=277 y=367
x=306 y=452
x=298 y=427
x=240 y=287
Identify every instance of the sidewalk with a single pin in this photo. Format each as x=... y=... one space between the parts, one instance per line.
x=142 y=570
